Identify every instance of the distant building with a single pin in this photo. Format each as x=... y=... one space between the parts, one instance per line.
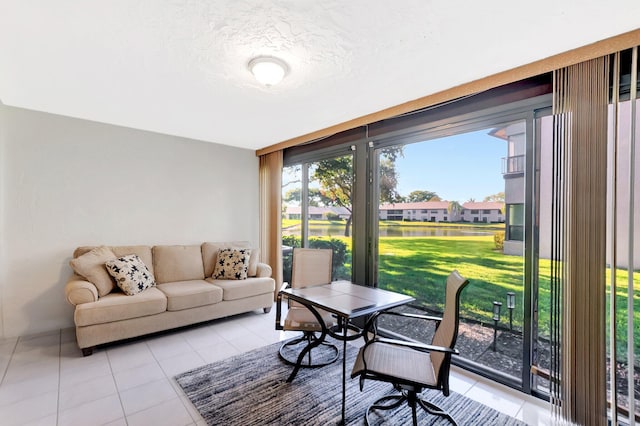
x=513 y=168
x=317 y=213
x=484 y=212
x=425 y=211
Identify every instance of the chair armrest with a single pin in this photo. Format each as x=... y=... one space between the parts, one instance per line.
x=371 y=324
x=78 y=291
x=279 y=295
x=284 y=286
x=263 y=270
x=415 y=345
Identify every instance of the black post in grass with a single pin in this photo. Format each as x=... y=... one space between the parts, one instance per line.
x=496 y=319
x=511 y=304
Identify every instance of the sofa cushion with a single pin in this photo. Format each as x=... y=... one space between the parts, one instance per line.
x=118 y=306
x=131 y=274
x=90 y=265
x=234 y=289
x=177 y=263
x=143 y=252
x=190 y=294
x=232 y=264
x=252 y=271
x=210 y=255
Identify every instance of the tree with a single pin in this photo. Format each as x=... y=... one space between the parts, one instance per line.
x=316 y=198
x=418 y=196
x=335 y=176
x=454 y=208
x=499 y=197
x=388 y=177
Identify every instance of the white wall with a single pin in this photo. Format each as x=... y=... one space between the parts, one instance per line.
x=2 y=204
x=67 y=182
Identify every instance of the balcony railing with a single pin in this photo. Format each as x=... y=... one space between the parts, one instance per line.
x=513 y=165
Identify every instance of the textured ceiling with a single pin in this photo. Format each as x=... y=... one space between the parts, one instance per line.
x=180 y=66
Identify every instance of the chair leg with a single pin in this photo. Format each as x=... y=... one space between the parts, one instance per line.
x=309 y=354
x=435 y=410
x=377 y=405
x=412 y=399
x=414 y=414
x=308 y=338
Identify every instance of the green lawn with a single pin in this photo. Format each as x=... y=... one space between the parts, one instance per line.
x=418 y=266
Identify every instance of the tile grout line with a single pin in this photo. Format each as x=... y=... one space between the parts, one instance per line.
x=501 y=393
x=166 y=378
x=180 y=397
x=59 y=377
x=115 y=384
x=476 y=383
x=13 y=351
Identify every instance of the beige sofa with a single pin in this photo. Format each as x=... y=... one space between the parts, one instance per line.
x=184 y=293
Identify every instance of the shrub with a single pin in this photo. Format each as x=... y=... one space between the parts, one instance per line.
x=333 y=216
x=498 y=240
x=339 y=254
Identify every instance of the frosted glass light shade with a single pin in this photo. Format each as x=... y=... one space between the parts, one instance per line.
x=268 y=71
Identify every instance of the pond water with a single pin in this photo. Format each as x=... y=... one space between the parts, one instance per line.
x=399 y=231
x=432 y=232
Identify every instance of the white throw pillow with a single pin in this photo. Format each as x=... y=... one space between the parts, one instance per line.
x=232 y=264
x=131 y=274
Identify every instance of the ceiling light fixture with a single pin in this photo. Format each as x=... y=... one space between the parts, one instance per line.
x=268 y=70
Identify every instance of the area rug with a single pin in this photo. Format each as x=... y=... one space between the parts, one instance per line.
x=250 y=389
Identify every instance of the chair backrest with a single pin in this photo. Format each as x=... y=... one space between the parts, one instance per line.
x=311 y=267
x=447 y=331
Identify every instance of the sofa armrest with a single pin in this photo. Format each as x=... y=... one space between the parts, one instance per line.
x=263 y=270
x=78 y=290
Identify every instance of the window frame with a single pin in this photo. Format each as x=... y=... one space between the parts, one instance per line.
x=464 y=117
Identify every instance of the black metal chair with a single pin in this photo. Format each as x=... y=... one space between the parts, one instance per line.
x=311 y=267
x=412 y=367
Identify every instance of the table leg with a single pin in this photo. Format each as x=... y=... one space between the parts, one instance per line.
x=344 y=369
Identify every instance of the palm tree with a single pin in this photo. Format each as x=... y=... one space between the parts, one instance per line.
x=454 y=208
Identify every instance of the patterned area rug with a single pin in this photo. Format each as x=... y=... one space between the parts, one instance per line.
x=250 y=389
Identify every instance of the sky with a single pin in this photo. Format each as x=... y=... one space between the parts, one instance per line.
x=457 y=168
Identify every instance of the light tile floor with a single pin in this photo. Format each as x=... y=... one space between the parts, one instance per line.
x=45 y=380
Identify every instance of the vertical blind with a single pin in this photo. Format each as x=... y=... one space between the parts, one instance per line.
x=580 y=101
x=594 y=225
x=631 y=325
x=270 y=175
x=623 y=381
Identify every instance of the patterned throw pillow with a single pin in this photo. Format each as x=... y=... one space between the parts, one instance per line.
x=232 y=264
x=131 y=274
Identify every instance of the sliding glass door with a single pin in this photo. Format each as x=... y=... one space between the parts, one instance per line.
x=460 y=205
x=468 y=186
x=405 y=207
x=317 y=211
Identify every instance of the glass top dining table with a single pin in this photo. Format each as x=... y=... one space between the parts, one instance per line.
x=347 y=301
